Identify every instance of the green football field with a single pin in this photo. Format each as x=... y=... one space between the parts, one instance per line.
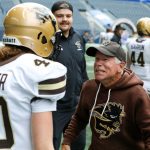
x=89 y=63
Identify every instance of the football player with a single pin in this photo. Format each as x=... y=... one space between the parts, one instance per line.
x=107 y=35
x=30 y=84
x=139 y=52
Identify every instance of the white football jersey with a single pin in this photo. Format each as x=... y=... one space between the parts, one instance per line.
x=139 y=55
x=28 y=84
x=106 y=36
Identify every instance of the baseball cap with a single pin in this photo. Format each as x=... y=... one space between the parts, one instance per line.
x=108 y=26
x=119 y=27
x=108 y=48
x=61 y=5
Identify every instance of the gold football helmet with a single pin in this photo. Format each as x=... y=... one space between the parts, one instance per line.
x=143 y=26
x=31 y=25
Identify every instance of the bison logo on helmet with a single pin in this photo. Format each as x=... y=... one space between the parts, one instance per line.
x=108 y=123
x=40 y=13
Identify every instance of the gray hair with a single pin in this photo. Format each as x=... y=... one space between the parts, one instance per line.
x=117 y=61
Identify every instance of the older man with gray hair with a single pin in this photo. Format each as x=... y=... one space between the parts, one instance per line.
x=115 y=104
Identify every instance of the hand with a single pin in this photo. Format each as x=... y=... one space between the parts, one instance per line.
x=65 y=147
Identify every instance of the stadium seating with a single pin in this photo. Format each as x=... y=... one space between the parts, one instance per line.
x=117 y=8
x=123 y=9
x=80 y=23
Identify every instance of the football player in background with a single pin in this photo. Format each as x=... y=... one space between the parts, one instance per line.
x=139 y=52
x=107 y=35
x=29 y=84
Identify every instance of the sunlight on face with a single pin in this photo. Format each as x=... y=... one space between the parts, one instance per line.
x=105 y=67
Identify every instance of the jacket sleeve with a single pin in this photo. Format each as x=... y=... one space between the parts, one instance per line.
x=78 y=121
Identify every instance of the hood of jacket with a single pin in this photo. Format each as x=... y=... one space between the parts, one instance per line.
x=127 y=80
